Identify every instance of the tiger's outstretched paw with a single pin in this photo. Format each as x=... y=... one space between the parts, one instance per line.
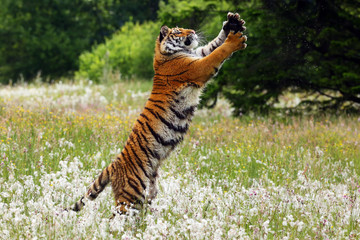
x=233 y=23
x=236 y=40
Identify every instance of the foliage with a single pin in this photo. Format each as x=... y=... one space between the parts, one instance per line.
x=293 y=46
x=310 y=48
x=134 y=10
x=129 y=51
x=185 y=13
x=298 y=46
x=47 y=37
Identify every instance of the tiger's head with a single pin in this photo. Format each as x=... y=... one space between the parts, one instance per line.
x=173 y=40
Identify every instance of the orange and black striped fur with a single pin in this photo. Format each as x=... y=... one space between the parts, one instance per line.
x=181 y=72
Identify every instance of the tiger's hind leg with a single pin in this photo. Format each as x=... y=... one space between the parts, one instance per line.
x=153 y=190
x=124 y=204
x=127 y=197
x=125 y=200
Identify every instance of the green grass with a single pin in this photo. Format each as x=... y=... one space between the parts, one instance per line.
x=268 y=177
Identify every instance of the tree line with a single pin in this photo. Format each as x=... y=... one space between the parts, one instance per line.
x=307 y=48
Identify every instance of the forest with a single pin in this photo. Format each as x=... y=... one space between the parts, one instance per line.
x=306 y=49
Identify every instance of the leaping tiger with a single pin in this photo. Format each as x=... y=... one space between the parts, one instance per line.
x=181 y=72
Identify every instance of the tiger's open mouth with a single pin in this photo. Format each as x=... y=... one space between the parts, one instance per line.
x=191 y=41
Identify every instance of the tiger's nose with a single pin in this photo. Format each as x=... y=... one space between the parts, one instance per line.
x=192 y=31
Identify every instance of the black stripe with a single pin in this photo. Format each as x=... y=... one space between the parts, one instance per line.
x=127 y=159
x=178 y=114
x=154 y=154
x=100 y=180
x=178 y=57
x=136 y=189
x=107 y=172
x=166 y=54
x=113 y=166
x=133 y=166
x=193 y=62
x=133 y=182
x=193 y=84
x=148 y=162
x=161 y=93
x=213 y=47
x=173 y=127
x=142 y=125
x=144 y=116
x=132 y=197
x=160 y=85
x=158 y=106
x=131 y=138
x=145 y=152
x=155 y=101
x=189 y=111
x=178 y=80
x=172 y=75
x=136 y=132
x=144 y=137
x=202 y=52
x=139 y=161
x=159 y=139
x=94 y=186
x=152 y=112
x=141 y=181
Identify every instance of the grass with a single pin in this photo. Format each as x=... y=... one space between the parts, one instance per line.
x=232 y=178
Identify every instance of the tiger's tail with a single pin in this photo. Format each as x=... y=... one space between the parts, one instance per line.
x=96 y=187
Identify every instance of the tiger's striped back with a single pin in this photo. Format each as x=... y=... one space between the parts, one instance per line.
x=181 y=73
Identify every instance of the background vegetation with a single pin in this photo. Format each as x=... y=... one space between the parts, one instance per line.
x=47 y=36
x=309 y=49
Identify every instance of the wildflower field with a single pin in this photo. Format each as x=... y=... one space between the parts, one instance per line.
x=232 y=178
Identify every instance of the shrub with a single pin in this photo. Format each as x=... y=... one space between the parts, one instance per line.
x=129 y=51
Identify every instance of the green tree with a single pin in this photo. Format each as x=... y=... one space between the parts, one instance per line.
x=296 y=46
x=48 y=36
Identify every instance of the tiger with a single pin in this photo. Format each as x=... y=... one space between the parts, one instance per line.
x=181 y=72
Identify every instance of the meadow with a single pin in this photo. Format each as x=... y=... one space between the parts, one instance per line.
x=275 y=177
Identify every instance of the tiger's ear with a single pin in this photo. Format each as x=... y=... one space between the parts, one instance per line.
x=163 y=32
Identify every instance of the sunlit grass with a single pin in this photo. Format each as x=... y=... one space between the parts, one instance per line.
x=249 y=177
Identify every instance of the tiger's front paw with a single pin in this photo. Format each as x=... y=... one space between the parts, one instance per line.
x=233 y=23
x=236 y=41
